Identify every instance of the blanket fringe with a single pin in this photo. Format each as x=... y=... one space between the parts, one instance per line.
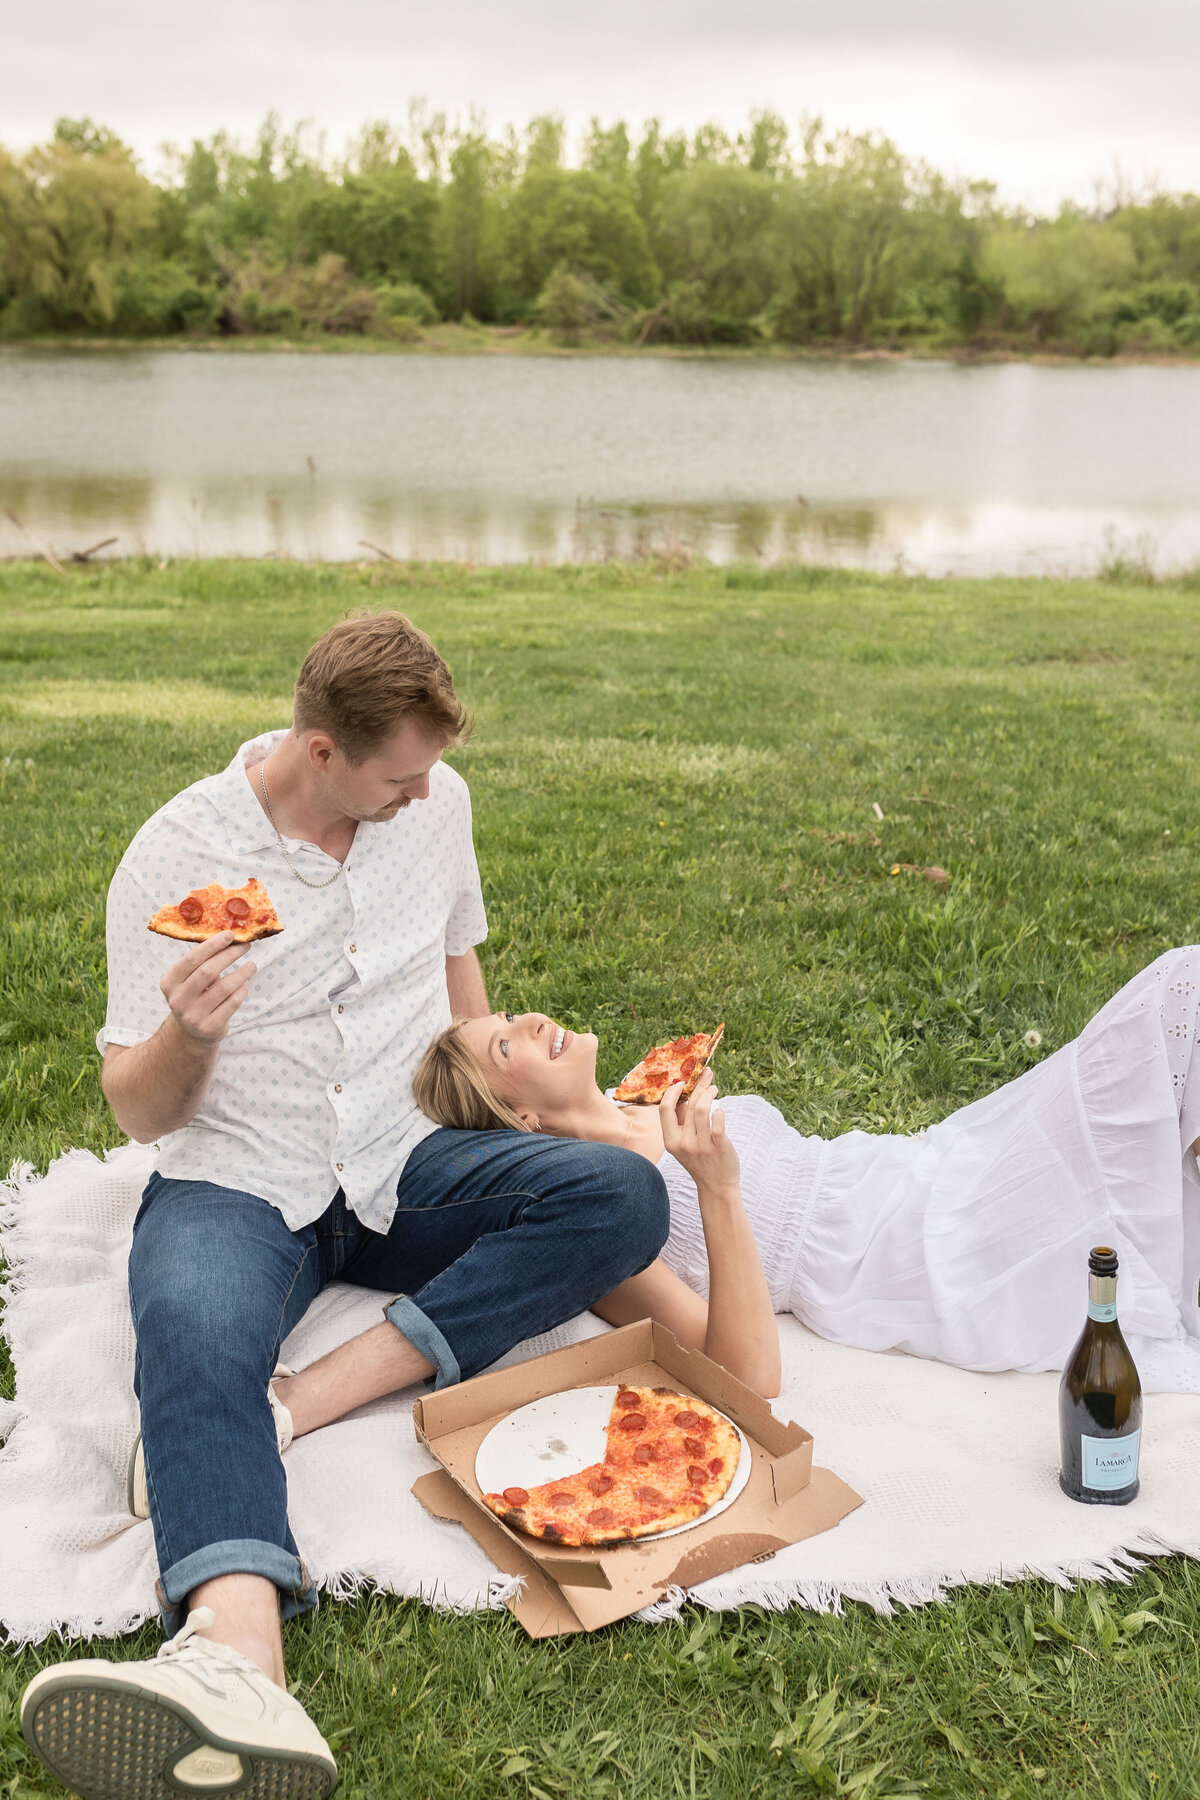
x=726 y=1594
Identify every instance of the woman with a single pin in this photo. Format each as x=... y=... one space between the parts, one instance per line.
x=967 y=1242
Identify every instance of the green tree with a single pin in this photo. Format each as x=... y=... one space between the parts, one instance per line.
x=1057 y=273
x=72 y=220
x=655 y=158
x=764 y=147
x=713 y=229
x=576 y=218
x=848 y=230
x=468 y=224
x=384 y=224
x=606 y=151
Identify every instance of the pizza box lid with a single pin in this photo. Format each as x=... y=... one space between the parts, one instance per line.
x=580 y=1589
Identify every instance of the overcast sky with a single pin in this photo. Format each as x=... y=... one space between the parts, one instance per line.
x=1045 y=97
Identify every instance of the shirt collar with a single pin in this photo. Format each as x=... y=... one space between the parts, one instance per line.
x=242 y=813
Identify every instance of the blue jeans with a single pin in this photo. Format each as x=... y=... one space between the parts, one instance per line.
x=497 y=1235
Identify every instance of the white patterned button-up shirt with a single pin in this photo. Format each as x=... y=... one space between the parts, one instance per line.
x=312 y=1088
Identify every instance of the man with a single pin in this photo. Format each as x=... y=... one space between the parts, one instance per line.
x=278 y=1087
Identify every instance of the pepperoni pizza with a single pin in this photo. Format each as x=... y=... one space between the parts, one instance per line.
x=683 y=1060
x=245 y=911
x=669 y=1458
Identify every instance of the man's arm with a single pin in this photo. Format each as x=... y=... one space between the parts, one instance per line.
x=464 y=985
x=159 y=1085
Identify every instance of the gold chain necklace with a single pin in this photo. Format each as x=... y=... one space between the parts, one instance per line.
x=340 y=870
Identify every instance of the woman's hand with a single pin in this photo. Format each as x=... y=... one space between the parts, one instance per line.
x=695 y=1136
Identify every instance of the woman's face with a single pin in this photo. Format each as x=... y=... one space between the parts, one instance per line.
x=537 y=1066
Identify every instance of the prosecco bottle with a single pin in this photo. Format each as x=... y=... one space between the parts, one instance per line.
x=1100 y=1400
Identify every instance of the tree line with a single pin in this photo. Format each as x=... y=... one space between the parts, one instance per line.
x=767 y=235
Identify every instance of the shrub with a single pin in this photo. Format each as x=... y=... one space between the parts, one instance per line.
x=155 y=299
x=406 y=300
x=572 y=302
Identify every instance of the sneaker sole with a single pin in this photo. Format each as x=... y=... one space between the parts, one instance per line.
x=108 y=1740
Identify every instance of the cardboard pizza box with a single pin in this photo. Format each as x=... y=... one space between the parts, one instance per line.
x=580 y=1589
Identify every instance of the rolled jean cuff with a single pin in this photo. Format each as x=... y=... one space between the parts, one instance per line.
x=424 y=1336
x=234 y=1556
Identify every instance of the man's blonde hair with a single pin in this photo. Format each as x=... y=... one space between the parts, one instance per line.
x=451 y=1087
x=370 y=674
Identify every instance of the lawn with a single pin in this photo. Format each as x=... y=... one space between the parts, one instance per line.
x=677 y=780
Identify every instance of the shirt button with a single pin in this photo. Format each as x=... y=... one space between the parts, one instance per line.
x=337 y=1087
x=341 y=1166
x=341 y=1009
x=353 y=948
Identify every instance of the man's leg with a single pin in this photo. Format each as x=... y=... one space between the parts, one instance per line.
x=216 y=1280
x=497 y=1235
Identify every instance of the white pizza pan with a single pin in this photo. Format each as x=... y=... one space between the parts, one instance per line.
x=554 y=1438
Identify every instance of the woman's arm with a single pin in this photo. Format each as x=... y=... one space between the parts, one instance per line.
x=737 y=1326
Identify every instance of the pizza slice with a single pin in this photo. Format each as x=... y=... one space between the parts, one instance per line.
x=246 y=911
x=683 y=1060
x=669 y=1459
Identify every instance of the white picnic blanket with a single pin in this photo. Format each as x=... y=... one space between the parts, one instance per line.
x=958 y=1470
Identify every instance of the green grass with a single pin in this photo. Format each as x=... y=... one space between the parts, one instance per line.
x=674 y=780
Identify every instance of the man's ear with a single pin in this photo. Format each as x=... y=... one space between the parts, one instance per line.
x=319 y=748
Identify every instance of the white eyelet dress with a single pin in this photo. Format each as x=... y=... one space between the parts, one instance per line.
x=968 y=1242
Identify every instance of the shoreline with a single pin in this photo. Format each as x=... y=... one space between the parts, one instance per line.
x=509 y=341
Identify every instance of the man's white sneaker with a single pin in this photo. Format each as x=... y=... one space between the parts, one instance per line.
x=136 y=1497
x=199 y=1719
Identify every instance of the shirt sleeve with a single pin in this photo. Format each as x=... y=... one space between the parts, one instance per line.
x=467 y=924
x=137 y=962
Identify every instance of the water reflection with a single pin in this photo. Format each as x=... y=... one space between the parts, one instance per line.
x=925 y=467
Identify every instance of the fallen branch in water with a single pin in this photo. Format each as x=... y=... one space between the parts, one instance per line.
x=379 y=550
x=82 y=556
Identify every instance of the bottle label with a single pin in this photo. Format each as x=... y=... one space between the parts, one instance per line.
x=1110 y=1463
x=1103 y=1311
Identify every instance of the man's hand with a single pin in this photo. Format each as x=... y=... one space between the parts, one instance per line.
x=201 y=997
x=159 y=1085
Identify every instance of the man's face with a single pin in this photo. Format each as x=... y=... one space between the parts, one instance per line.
x=392 y=775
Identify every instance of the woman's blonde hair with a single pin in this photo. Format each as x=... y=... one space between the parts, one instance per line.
x=452 y=1089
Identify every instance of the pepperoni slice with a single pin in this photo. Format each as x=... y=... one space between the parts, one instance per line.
x=516 y=1496
x=633 y=1422
x=689 y=1420
x=626 y=1398
x=694 y=1446
x=645 y=1453
x=650 y=1495
x=559 y=1501
x=191 y=910
x=601 y=1515
x=694 y=1499
x=697 y=1476
x=600 y=1484
x=686 y=1066
x=715 y=1466
x=237 y=908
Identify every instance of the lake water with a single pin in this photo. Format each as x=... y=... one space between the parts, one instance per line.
x=933 y=467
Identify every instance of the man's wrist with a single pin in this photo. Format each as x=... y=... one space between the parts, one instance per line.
x=200 y=1051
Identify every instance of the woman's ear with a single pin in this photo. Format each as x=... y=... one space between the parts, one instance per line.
x=529 y=1119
